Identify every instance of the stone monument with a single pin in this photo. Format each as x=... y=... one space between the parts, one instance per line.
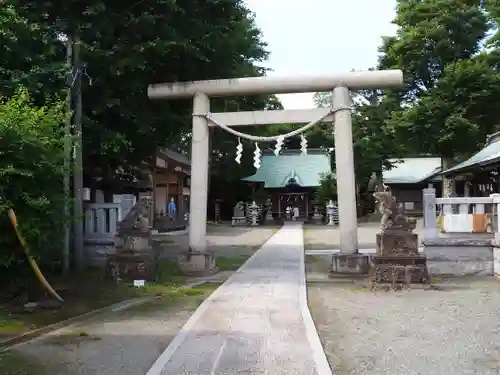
x=238 y=214
x=134 y=257
x=217 y=217
x=269 y=214
x=397 y=261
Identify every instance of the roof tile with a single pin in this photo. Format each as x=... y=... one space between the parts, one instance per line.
x=276 y=171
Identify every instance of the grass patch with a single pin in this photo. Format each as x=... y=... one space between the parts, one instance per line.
x=175 y=296
x=168 y=272
x=14 y=363
x=9 y=324
x=231 y=263
x=86 y=293
x=81 y=297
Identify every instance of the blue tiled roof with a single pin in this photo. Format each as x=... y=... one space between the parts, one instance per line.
x=488 y=155
x=290 y=166
x=411 y=170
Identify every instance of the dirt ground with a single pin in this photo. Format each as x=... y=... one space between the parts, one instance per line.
x=322 y=237
x=452 y=329
x=119 y=343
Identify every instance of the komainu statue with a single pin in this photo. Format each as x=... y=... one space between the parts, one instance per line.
x=397 y=260
x=392 y=216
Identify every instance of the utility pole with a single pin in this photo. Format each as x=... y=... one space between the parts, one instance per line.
x=78 y=167
x=67 y=157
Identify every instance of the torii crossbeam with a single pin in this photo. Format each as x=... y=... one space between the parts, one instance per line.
x=202 y=91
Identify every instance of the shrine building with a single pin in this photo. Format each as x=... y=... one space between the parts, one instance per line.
x=291 y=178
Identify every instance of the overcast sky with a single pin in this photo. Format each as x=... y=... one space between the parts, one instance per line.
x=321 y=36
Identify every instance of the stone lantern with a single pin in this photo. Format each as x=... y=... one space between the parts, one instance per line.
x=329 y=213
x=254 y=213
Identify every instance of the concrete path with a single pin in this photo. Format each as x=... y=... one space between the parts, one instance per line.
x=257 y=322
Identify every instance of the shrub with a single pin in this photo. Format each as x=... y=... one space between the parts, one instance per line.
x=31 y=177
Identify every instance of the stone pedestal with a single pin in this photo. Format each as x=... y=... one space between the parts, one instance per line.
x=397 y=261
x=134 y=258
x=349 y=264
x=397 y=243
x=239 y=215
x=197 y=263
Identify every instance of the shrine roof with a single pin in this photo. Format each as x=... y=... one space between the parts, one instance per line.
x=489 y=155
x=412 y=170
x=174 y=156
x=291 y=167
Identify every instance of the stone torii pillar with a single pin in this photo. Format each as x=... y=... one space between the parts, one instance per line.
x=201 y=91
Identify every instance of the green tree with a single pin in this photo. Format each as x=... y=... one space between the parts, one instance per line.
x=327 y=191
x=32 y=56
x=453 y=117
x=373 y=140
x=31 y=174
x=447 y=90
x=128 y=45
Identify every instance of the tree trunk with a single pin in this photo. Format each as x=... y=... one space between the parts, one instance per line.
x=449 y=189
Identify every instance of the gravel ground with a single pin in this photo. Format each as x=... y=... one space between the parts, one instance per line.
x=320 y=237
x=223 y=240
x=121 y=343
x=452 y=330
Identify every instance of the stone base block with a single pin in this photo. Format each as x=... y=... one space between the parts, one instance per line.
x=197 y=263
x=350 y=264
x=459 y=260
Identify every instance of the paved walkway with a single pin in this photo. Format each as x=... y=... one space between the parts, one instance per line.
x=256 y=323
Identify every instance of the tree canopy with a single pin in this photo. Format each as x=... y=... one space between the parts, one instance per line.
x=128 y=45
x=31 y=174
x=451 y=80
x=449 y=51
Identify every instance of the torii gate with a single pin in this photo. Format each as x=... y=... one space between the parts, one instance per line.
x=339 y=114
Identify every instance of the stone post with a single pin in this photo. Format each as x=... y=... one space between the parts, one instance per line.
x=467 y=189
x=269 y=215
x=199 y=174
x=496 y=219
x=430 y=216
x=496 y=230
x=346 y=184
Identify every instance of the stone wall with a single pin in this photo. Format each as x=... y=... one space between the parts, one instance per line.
x=460 y=257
